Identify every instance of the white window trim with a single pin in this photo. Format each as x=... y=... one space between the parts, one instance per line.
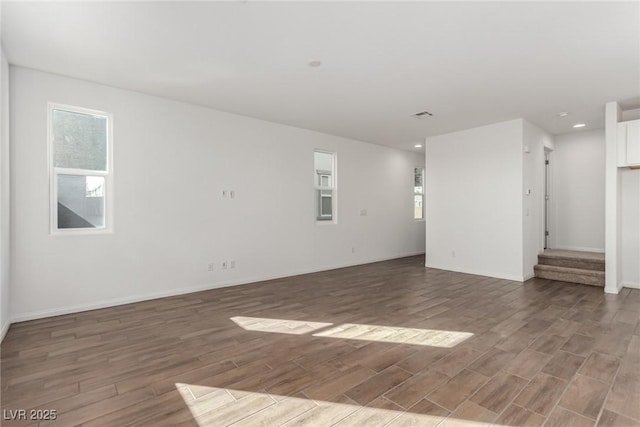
x=333 y=188
x=55 y=171
x=418 y=194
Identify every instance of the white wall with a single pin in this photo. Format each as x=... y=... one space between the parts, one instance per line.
x=5 y=230
x=535 y=140
x=627 y=115
x=630 y=182
x=579 y=191
x=171 y=162
x=474 y=201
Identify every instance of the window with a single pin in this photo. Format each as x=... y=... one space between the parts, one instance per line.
x=80 y=162
x=418 y=193
x=325 y=185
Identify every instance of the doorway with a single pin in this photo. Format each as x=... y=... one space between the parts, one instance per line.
x=547 y=201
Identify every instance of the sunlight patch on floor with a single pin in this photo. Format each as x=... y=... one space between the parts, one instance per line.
x=393 y=334
x=355 y=331
x=281 y=326
x=212 y=406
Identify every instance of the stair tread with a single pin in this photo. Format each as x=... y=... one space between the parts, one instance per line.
x=578 y=255
x=569 y=270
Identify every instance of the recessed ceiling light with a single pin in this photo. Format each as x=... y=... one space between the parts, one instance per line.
x=315 y=63
x=563 y=114
x=579 y=125
x=418 y=145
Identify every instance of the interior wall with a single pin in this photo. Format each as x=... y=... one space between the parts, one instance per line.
x=535 y=140
x=5 y=231
x=579 y=191
x=633 y=114
x=171 y=162
x=474 y=201
x=630 y=182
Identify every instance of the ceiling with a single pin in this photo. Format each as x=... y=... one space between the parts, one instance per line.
x=468 y=64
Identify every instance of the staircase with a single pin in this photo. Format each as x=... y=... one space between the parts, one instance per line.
x=586 y=268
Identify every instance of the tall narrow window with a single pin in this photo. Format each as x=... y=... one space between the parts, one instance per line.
x=418 y=193
x=325 y=185
x=80 y=162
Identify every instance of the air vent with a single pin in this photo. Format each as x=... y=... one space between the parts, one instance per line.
x=422 y=115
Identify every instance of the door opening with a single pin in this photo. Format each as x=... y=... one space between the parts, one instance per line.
x=546 y=199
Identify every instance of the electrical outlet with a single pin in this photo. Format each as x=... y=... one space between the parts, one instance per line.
x=353 y=250
x=225 y=265
x=224 y=193
x=211 y=266
x=453 y=254
x=232 y=194
x=232 y=264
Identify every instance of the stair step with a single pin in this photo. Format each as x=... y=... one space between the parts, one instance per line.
x=568 y=274
x=573 y=259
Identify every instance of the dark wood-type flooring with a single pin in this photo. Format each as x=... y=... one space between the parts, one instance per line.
x=390 y=343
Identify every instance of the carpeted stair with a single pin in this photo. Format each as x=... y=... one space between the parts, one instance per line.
x=586 y=268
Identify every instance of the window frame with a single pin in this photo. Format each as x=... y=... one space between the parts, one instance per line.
x=55 y=171
x=318 y=189
x=415 y=193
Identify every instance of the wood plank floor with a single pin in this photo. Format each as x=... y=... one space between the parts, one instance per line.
x=390 y=343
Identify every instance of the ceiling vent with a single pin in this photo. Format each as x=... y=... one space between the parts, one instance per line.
x=422 y=115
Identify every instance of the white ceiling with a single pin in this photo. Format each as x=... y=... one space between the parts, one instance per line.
x=467 y=63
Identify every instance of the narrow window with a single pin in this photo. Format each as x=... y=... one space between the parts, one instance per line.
x=325 y=185
x=80 y=162
x=418 y=193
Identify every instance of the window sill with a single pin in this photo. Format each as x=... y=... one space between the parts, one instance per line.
x=80 y=232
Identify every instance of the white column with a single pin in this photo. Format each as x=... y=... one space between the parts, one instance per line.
x=613 y=223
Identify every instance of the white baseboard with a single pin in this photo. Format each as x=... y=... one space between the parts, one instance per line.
x=188 y=290
x=4 y=330
x=529 y=276
x=579 y=248
x=477 y=272
x=615 y=290
x=631 y=285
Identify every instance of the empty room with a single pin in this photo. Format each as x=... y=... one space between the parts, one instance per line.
x=258 y=213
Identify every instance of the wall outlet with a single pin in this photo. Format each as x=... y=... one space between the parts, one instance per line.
x=453 y=254
x=353 y=250
x=232 y=194
x=224 y=193
x=232 y=264
x=211 y=266
x=225 y=265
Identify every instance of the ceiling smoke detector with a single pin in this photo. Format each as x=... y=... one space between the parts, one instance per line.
x=422 y=115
